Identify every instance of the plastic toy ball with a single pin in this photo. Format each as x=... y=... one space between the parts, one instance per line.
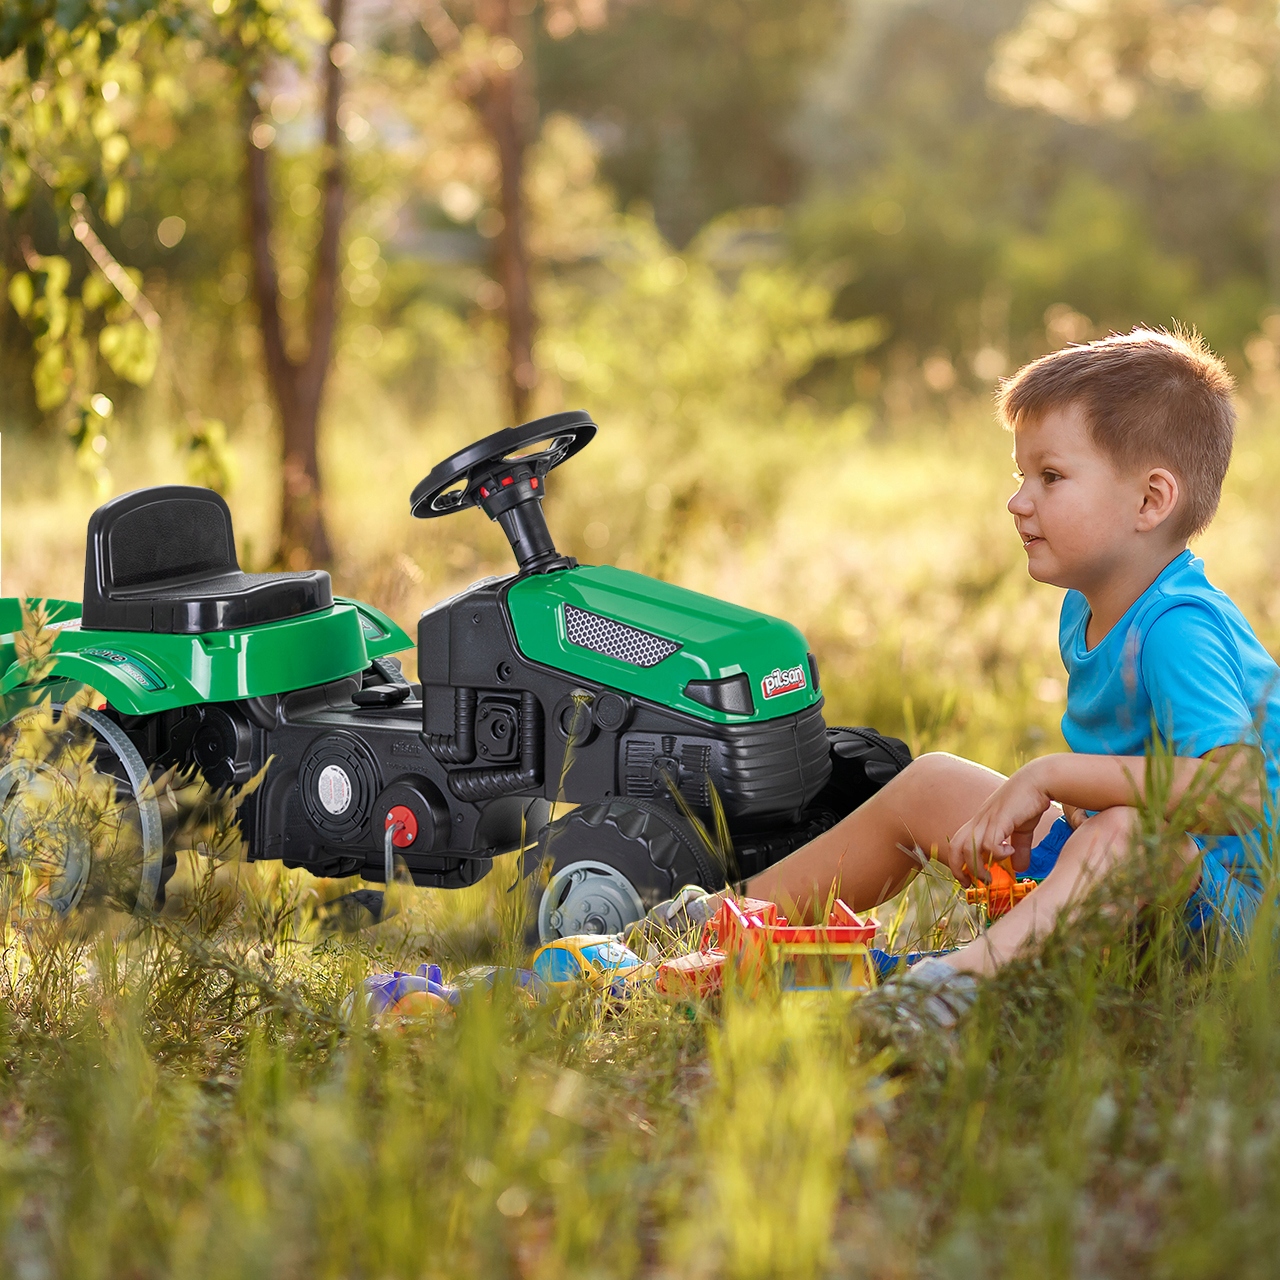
x=418 y=1004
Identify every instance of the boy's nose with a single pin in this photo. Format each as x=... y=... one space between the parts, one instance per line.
x=1020 y=504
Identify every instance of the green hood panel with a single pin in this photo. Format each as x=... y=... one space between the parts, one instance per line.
x=715 y=639
x=140 y=672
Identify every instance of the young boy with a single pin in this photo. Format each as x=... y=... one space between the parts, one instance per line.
x=1122 y=446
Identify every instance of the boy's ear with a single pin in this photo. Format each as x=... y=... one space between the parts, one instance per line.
x=1159 y=499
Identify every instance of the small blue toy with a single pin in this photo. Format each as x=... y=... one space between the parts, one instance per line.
x=398 y=994
x=886 y=963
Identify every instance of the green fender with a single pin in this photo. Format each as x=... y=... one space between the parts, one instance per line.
x=142 y=672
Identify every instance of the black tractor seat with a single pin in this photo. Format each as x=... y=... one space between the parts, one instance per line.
x=164 y=559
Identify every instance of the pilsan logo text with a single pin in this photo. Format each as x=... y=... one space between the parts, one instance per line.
x=778 y=682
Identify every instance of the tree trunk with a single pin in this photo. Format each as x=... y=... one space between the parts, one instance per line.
x=505 y=107
x=1272 y=246
x=297 y=385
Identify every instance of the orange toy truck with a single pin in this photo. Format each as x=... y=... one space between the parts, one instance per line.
x=758 y=941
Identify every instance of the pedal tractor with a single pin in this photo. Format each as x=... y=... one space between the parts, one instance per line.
x=623 y=695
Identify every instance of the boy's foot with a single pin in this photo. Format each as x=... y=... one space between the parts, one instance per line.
x=931 y=990
x=676 y=918
x=917 y=1011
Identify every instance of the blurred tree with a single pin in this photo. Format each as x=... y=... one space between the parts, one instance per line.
x=71 y=78
x=693 y=101
x=983 y=233
x=1119 y=59
x=76 y=77
x=297 y=381
x=490 y=73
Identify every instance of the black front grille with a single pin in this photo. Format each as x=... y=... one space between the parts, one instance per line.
x=615 y=639
x=766 y=770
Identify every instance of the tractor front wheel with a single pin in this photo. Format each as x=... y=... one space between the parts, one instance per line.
x=606 y=864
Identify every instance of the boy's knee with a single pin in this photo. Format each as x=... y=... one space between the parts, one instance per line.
x=1103 y=839
x=934 y=766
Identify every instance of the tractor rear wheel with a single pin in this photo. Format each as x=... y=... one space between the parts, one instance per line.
x=79 y=817
x=606 y=864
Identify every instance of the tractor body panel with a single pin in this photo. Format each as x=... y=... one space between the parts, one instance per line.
x=141 y=672
x=650 y=639
x=473 y=656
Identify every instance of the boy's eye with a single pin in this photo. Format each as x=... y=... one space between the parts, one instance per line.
x=1050 y=476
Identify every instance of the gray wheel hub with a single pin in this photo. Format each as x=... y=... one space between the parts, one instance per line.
x=587 y=897
x=32 y=797
x=30 y=826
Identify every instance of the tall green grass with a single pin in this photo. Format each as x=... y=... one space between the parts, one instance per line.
x=185 y=1099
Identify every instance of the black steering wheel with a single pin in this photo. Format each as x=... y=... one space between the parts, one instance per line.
x=456 y=483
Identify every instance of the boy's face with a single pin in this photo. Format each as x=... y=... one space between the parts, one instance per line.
x=1080 y=519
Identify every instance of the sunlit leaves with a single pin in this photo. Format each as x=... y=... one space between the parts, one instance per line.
x=21 y=293
x=1098 y=61
x=210 y=462
x=696 y=330
x=75 y=76
x=131 y=349
x=117 y=201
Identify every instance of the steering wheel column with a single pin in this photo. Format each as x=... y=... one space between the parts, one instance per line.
x=512 y=495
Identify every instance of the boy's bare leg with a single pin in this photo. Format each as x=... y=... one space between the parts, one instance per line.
x=1096 y=846
x=867 y=857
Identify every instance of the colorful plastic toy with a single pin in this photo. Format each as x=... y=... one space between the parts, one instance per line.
x=598 y=960
x=886 y=962
x=382 y=993
x=1001 y=894
x=750 y=936
x=664 y=694
x=400 y=995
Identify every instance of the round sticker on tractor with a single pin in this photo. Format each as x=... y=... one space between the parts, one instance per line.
x=334 y=789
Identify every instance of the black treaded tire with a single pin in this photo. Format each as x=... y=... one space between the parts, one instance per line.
x=862 y=761
x=650 y=844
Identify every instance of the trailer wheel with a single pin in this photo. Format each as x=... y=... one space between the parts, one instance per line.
x=608 y=863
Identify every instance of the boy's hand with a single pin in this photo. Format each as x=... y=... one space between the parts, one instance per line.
x=1003 y=828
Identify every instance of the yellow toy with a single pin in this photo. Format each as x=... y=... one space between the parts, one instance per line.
x=598 y=959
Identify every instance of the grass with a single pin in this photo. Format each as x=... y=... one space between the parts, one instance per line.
x=182 y=1099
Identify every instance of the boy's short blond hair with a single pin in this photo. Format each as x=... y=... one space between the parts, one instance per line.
x=1151 y=398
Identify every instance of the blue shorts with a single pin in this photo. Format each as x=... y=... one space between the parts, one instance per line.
x=1220 y=897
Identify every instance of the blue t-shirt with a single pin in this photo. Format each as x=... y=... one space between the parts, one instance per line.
x=1184 y=658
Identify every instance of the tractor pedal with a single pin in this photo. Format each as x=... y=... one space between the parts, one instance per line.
x=381 y=695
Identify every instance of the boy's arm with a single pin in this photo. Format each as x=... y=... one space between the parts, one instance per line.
x=1225 y=782
x=1222 y=782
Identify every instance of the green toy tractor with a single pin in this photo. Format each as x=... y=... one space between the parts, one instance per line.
x=657 y=712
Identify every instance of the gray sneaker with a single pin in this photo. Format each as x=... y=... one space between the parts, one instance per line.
x=675 y=919
x=933 y=989
x=917 y=1012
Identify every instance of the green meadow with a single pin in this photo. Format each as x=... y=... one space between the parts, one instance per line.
x=188 y=1097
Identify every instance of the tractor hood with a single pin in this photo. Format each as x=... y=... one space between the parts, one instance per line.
x=677 y=648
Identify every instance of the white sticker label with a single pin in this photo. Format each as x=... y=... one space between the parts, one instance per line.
x=334 y=788
x=778 y=682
